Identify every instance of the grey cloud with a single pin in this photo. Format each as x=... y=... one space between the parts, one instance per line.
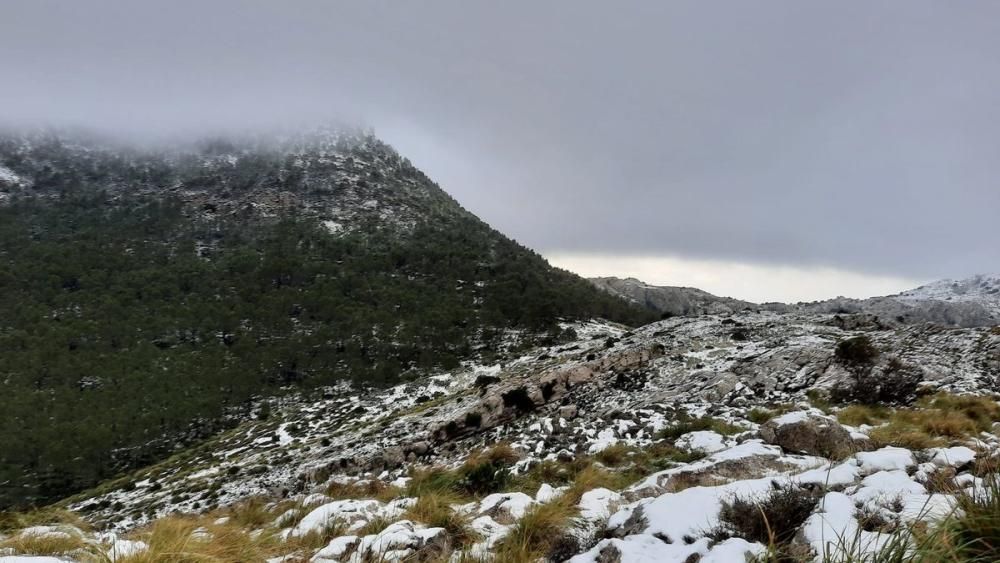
x=858 y=135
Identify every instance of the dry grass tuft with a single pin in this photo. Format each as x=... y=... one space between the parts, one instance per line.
x=534 y=535
x=44 y=544
x=372 y=488
x=253 y=513
x=373 y=526
x=857 y=415
x=614 y=455
x=982 y=411
x=685 y=424
x=181 y=539
x=10 y=521
x=500 y=454
x=484 y=472
x=435 y=510
x=903 y=435
x=935 y=420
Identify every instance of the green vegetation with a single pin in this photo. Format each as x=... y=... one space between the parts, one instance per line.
x=857 y=415
x=685 y=423
x=482 y=473
x=932 y=422
x=858 y=350
x=118 y=333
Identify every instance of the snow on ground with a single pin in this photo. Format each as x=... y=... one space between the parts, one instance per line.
x=7 y=176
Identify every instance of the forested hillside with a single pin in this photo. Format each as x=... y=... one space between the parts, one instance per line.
x=146 y=294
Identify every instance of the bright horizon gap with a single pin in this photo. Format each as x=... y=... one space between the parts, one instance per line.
x=759 y=283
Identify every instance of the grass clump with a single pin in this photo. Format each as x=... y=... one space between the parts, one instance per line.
x=972 y=534
x=12 y=520
x=903 y=435
x=54 y=543
x=373 y=526
x=615 y=454
x=371 y=488
x=484 y=472
x=535 y=535
x=760 y=415
x=180 y=539
x=982 y=411
x=858 y=415
x=686 y=423
x=251 y=514
x=435 y=510
x=543 y=531
x=969 y=534
x=937 y=419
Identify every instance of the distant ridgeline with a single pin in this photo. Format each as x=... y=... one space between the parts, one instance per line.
x=149 y=292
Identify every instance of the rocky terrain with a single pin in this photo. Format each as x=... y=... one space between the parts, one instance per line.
x=671 y=301
x=969 y=302
x=647 y=441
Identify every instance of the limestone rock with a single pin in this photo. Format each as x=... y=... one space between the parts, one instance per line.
x=808 y=432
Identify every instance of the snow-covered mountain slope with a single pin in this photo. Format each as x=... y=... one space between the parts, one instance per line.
x=340 y=175
x=981 y=289
x=643 y=441
x=969 y=302
x=611 y=386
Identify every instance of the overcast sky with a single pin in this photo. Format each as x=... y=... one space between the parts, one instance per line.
x=766 y=150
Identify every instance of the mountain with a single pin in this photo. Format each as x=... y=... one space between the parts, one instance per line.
x=670 y=301
x=155 y=294
x=970 y=302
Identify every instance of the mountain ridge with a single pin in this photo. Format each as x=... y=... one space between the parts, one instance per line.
x=969 y=302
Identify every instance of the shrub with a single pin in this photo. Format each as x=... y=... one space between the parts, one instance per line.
x=897 y=384
x=473 y=420
x=740 y=335
x=855 y=351
x=772 y=519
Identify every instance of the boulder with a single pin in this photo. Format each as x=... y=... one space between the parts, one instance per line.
x=809 y=432
x=568 y=412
